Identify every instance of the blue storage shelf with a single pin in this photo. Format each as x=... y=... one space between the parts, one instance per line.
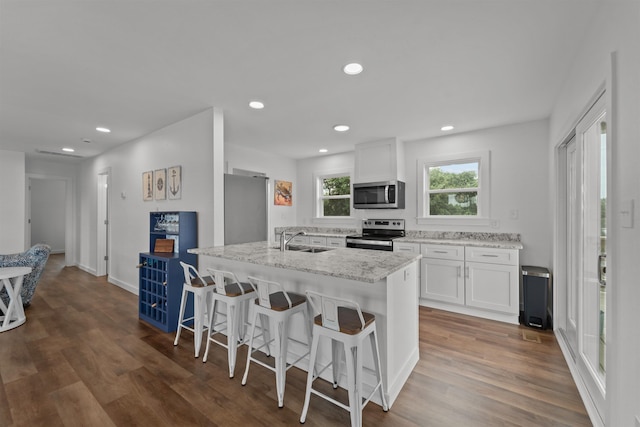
x=161 y=275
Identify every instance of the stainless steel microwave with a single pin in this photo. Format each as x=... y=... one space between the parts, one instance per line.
x=379 y=195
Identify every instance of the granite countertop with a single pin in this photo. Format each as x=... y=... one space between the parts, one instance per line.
x=362 y=265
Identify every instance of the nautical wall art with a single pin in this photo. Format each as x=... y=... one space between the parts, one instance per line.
x=174 y=182
x=160 y=180
x=147 y=186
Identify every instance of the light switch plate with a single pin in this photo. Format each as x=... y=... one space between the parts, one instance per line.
x=626 y=213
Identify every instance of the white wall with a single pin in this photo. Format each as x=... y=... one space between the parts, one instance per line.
x=188 y=143
x=12 y=208
x=48 y=200
x=519 y=180
x=617 y=30
x=276 y=168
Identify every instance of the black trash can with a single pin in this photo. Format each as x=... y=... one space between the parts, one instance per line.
x=536 y=286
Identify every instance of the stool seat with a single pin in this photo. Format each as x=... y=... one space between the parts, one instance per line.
x=349 y=321
x=279 y=301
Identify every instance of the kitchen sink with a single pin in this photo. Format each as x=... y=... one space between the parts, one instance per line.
x=307 y=249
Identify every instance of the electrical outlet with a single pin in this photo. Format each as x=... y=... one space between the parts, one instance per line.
x=513 y=214
x=495 y=223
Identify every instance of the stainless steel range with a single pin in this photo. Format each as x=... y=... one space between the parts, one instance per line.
x=377 y=234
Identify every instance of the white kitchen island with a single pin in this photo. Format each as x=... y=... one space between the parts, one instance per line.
x=383 y=283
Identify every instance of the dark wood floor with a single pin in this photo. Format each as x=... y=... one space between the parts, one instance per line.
x=84 y=359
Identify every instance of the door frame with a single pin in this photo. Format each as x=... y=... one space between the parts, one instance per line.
x=605 y=91
x=103 y=236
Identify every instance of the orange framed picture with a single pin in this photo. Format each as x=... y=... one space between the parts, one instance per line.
x=282 y=193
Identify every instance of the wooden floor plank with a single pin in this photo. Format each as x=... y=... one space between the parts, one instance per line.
x=84 y=358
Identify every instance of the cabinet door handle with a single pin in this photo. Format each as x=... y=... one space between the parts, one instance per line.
x=466 y=272
x=459 y=271
x=490 y=255
x=440 y=252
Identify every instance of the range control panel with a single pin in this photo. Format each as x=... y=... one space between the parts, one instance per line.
x=383 y=224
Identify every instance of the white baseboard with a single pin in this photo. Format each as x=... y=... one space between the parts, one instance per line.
x=470 y=311
x=123 y=285
x=87 y=269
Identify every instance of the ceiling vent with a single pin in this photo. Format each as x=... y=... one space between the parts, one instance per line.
x=54 y=153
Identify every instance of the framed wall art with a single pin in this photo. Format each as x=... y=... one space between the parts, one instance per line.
x=174 y=182
x=282 y=193
x=147 y=186
x=160 y=184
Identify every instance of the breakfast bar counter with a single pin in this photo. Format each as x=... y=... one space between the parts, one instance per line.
x=383 y=283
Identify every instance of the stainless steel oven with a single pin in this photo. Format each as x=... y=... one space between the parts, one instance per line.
x=377 y=234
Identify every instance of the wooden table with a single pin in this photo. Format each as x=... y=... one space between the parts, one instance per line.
x=11 y=279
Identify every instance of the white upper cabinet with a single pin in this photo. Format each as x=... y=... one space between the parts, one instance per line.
x=379 y=161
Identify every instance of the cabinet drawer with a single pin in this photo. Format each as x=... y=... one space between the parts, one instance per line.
x=300 y=240
x=413 y=248
x=317 y=241
x=492 y=255
x=443 y=251
x=336 y=242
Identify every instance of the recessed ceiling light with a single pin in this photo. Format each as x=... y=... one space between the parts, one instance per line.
x=352 y=69
x=341 y=128
x=104 y=130
x=446 y=128
x=256 y=105
x=68 y=150
x=323 y=150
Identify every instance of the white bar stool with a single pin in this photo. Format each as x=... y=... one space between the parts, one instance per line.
x=347 y=326
x=235 y=295
x=13 y=314
x=202 y=291
x=274 y=303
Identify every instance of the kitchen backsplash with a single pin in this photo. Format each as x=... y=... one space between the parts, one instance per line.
x=414 y=234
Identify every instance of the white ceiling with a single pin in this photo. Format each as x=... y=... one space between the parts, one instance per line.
x=136 y=66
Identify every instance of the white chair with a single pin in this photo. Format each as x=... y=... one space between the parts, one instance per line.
x=202 y=291
x=235 y=295
x=277 y=305
x=347 y=326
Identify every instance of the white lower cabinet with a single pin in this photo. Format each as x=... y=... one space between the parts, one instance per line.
x=471 y=280
x=443 y=280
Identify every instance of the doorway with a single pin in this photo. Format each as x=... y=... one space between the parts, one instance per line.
x=50 y=214
x=584 y=219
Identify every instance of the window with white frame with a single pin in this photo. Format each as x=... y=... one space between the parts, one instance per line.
x=333 y=192
x=454 y=187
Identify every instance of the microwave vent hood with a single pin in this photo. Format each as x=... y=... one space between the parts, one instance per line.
x=379 y=195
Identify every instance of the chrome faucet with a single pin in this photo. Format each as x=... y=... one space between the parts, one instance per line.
x=284 y=241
